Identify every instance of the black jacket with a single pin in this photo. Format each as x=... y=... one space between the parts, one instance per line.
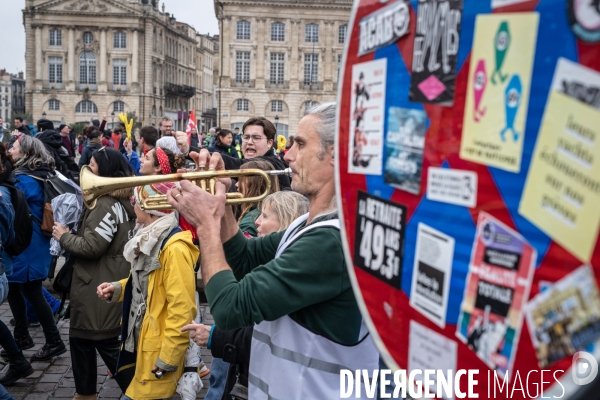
x=64 y=163
x=226 y=150
x=233 y=347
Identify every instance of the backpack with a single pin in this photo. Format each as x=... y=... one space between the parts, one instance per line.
x=23 y=235
x=52 y=186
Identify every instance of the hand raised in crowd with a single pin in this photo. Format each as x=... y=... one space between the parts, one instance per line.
x=105 y=290
x=15 y=133
x=128 y=145
x=199 y=333
x=58 y=230
x=182 y=142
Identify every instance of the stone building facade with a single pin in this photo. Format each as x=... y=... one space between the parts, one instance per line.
x=12 y=95
x=90 y=58
x=277 y=57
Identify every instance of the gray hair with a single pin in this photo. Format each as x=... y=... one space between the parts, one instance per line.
x=287 y=205
x=34 y=154
x=326 y=128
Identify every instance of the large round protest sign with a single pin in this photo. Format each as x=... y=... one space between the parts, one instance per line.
x=468 y=176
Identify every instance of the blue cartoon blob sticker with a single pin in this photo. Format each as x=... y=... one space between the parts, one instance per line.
x=501 y=44
x=512 y=99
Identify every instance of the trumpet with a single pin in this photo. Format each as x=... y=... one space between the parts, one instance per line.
x=93 y=186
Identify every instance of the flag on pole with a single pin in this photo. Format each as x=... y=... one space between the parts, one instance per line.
x=191 y=123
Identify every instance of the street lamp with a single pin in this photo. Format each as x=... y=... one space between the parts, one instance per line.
x=276 y=122
x=44 y=115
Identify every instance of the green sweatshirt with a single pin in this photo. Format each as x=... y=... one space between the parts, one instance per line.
x=309 y=282
x=248 y=223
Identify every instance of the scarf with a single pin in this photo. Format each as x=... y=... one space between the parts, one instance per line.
x=147 y=237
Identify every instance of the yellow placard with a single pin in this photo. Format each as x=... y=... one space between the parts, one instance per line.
x=498 y=89
x=562 y=191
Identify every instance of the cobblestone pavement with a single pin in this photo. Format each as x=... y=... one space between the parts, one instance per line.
x=54 y=379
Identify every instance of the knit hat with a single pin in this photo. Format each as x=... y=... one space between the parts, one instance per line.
x=141 y=193
x=44 y=125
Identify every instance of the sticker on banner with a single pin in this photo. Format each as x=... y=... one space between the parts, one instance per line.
x=578 y=82
x=584 y=17
x=498 y=283
x=435 y=51
x=562 y=190
x=379 y=242
x=504 y=3
x=498 y=89
x=404 y=148
x=428 y=350
x=431 y=273
x=367 y=117
x=565 y=318
x=384 y=26
x=453 y=186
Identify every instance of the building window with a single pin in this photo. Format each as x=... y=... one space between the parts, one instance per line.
x=55 y=37
x=88 y=38
x=277 y=32
x=87 y=68
x=309 y=104
x=277 y=106
x=339 y=66
x=119 y=106
x=311 y=33
x=277 y=68
x=342 y=34
x=120 y=71
x=53 y=105
x=242 y=105
x=243 y=30
x=86 y=106
x=242 y=66
x=120 y=40
x=55 y=69
x=311 y=68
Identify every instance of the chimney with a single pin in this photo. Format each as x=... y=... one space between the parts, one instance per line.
x=20 y=74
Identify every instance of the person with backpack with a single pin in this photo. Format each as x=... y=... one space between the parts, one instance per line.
x=30 y=268
x=18 y=365
x=98 y=252
x=94 y=144
x=158 y=300
x=63 y=162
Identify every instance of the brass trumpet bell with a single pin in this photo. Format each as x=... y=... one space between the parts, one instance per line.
x=94 y=186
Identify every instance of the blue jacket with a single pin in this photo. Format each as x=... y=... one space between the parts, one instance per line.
x=34 y=262
x=134 y=161
x=7 y=232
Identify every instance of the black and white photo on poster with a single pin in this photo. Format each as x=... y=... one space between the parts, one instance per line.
x=435 y=51
x=383 y=27
x=432 y=270
x=404 y=146
x=577 y=81
x=367 y=117
x=379 y=240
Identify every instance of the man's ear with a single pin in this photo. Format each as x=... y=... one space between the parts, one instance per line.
x=331 y=151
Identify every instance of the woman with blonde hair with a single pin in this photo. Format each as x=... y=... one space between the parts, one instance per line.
x=279 y=210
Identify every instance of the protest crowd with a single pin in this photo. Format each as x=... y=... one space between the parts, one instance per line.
x=272 y=266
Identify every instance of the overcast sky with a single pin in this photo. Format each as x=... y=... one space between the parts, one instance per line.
x=198 y=13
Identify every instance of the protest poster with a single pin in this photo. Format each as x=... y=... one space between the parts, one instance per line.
x=428 y=350
x=565 y=318
x=367 y=117
x=498 y=284
x=435 y=51
x=562 y=190
x=404 y=146
x=452 y=186
x=578 y=82
x=498 y=89
x=379 y=244
x=383 y=27
x=431 y=273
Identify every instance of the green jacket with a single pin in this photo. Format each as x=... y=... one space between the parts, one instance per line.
x=248 y=223
x=98 y=249
x=309 y=282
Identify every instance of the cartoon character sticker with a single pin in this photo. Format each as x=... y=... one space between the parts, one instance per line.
x=501 y=43
x=513 y=100
x=584 y=17
x=479 y=84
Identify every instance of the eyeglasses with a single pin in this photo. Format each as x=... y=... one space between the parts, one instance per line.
x=255 y=138
x=102 y=149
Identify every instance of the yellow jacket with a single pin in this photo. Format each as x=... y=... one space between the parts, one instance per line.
x=171 y=304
